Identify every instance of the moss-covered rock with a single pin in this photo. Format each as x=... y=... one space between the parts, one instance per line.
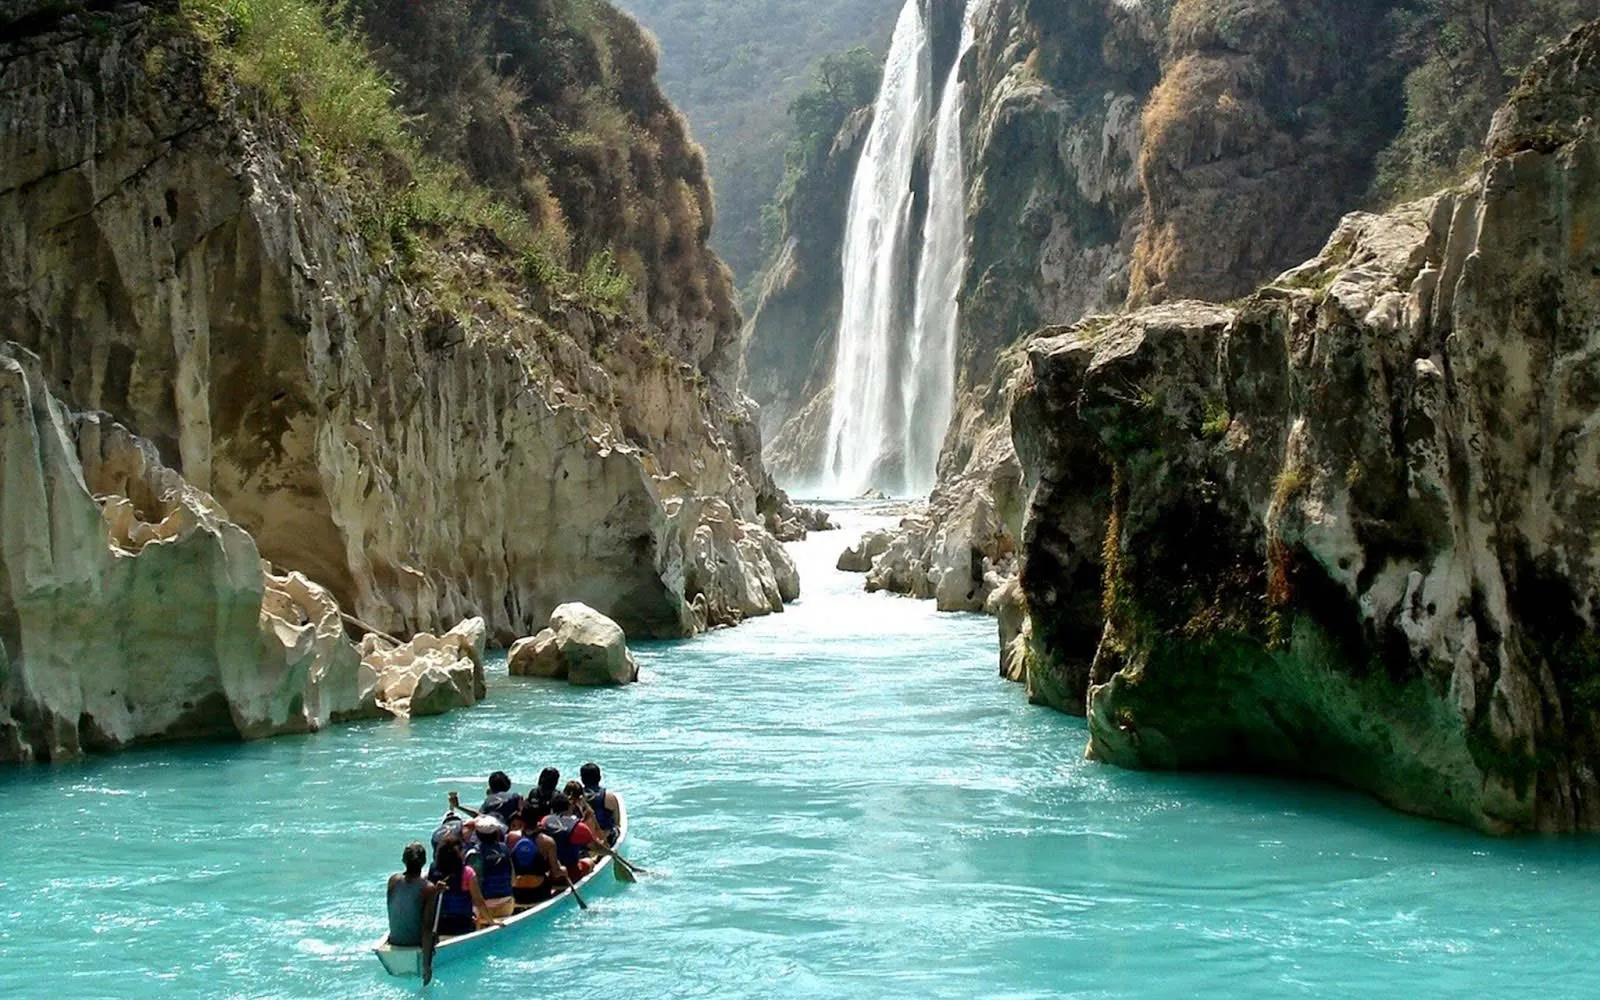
x=1348 y=526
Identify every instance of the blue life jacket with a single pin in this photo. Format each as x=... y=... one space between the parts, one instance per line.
x=455 y=902
x=525 y=857
x=494 y=871
x=502 y=805
x=567 y=852
x=445 y=828
x=597 y=801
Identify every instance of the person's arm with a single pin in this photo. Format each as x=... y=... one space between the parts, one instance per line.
x=552 y=862
x=430 y=925
x=479 y=906
x=455 y=803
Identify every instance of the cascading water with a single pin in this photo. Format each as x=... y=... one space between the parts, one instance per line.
x=864 y=423
x=894 y=371
x=931 y=373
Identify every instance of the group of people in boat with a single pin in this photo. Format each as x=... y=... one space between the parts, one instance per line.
x=512 y=852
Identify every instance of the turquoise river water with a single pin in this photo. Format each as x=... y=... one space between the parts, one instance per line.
x=842 y=801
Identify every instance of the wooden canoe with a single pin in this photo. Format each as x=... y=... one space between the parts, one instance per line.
x=408 y=961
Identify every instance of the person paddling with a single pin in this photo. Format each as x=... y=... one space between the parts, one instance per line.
x=494 y=867
x=461 y=903
x=412 y=900
x=603 y=803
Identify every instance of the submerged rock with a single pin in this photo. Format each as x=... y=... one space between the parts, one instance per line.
x=1348 y=527
x=581 y=646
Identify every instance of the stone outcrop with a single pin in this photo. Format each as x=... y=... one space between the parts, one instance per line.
x=1349 y=527
x=581 y=646
x=428 y=675
x=180 y=262
x=859 y=557
x=132 y=610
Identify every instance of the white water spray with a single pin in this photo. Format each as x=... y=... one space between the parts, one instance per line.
x=894 y=371
x=930 y=399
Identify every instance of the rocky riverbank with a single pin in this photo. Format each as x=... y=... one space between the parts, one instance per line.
x=1347 y=526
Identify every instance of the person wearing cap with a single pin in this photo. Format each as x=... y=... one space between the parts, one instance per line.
x=451 y=824
x=494 y=867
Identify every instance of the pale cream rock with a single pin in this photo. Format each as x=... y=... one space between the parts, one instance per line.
x=581 y=646
x=537 y=656
x=144 y=615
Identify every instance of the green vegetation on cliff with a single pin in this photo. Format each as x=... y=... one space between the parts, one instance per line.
x=734 y=66
x=539 y=128
x=1467 y=55
x=844 y=82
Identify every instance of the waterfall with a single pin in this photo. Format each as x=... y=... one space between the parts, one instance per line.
x=894 y=370
x=931 y=374
x=865 y=426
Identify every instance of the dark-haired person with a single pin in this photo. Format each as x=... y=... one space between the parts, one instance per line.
x=606 y=809
x=461 y=904
x=500 y=801
x=411 y=900
x=572 y=837
x=539 y=796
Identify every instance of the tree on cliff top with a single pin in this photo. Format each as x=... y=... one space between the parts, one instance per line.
x=1468 y=55
x=843 y=83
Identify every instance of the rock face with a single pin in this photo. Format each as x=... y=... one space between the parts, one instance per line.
x=430 y=674
x=132 y=610
x=179 y=262
x=1349 y=527
x=791 y=336
x=581 y=646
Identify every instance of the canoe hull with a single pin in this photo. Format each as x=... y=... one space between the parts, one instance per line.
x=407 y=962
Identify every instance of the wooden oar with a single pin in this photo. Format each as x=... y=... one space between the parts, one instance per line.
x=574 y=887
x=626 y=872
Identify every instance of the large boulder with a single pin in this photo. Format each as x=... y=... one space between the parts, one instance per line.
x=537 y=656
x=429 y=675
x=581 y=646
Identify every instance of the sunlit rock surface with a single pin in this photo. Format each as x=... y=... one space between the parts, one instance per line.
x=581 y=646
x=132 y=609
x=1349 y=526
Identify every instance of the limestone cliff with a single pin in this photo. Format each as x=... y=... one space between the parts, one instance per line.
x=790 y=338
x=469 y=437
x=1348 y=527
x=130 y=608
x=1124 y=152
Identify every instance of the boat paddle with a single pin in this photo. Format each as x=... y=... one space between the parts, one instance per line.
x=626 y=872
x=574 y=887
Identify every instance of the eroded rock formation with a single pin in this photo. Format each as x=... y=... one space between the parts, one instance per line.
x=181 y=262
x=1349 y=527
x=581 y=646
x=131 y=609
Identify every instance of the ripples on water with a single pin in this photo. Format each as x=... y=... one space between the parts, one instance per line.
x=841 y=801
